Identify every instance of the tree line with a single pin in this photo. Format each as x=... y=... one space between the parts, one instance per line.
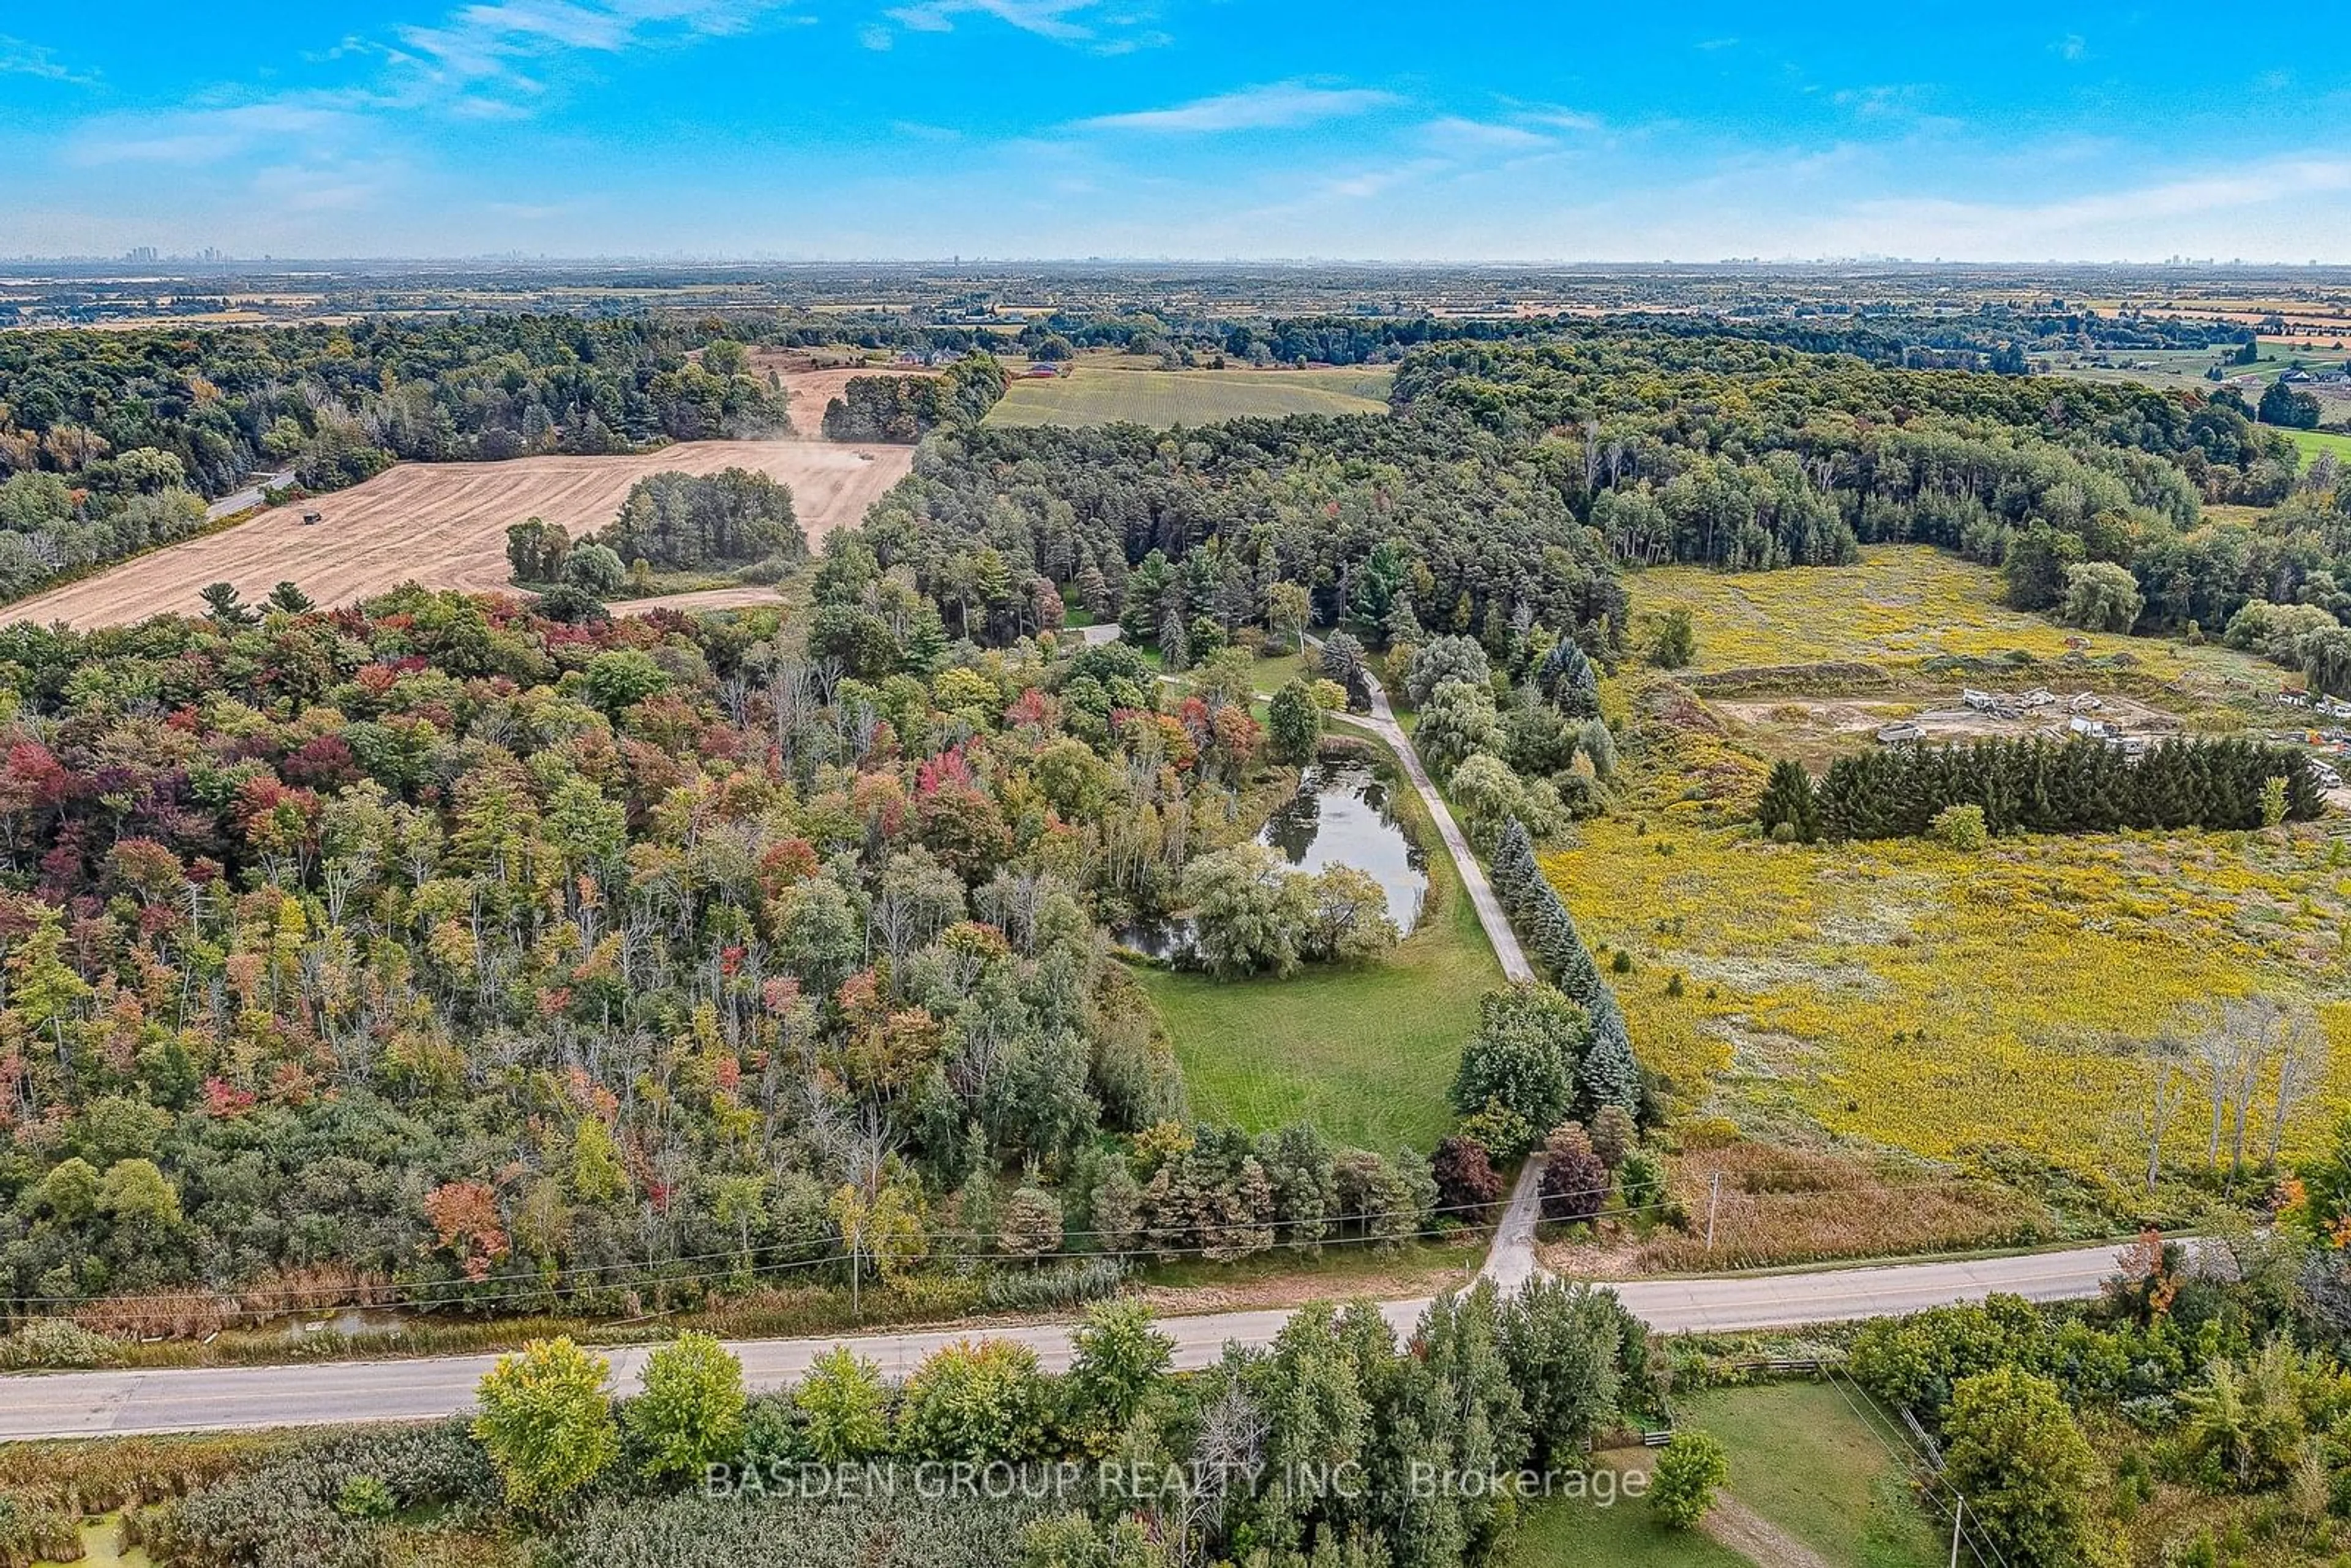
x=2043 y=785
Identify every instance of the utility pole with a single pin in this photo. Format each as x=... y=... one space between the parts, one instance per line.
x=1713 y=1202
x=1957 y=1511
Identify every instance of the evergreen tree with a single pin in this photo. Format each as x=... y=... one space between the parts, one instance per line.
x=1608 y=1076
x=1788 y=803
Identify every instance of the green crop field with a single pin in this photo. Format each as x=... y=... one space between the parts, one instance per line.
x=1365 y=1052
x=1104 y=394
x=2314 y=442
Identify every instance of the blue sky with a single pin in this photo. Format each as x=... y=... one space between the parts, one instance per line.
x=1205 y=129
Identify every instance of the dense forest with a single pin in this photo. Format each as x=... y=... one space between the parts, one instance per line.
x=1397 y=523
x=667 y=522
x=337 y=402
x=446 y=950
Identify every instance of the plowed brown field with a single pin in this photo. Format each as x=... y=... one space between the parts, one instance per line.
x=444 y=525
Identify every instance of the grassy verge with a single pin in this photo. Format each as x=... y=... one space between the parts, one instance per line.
x=1814 y=1467
x=1579 y=1532
x=1819 y=1467
x=1365 y=1052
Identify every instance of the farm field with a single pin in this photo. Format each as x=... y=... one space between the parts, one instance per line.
x=810 y=390
x=1101 y=395
x=749 y=596
x=444 y=525
x=1899 y=602
x=1366 y=1053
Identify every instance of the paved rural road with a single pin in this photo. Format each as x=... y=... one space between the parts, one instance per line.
x=95 y=1404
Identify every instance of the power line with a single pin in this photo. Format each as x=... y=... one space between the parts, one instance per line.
x=546 y=1284
x=1911 y=1455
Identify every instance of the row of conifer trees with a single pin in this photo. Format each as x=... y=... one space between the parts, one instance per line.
x=1607 y=1073
x=2043 y=785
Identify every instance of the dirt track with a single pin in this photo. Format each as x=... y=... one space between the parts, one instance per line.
x=748 y=597
x=444 y=525
x=810 y=389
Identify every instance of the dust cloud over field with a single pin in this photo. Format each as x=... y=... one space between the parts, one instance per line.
x=444 y=525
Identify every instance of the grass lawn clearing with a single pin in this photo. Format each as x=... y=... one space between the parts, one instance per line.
x=1577 y=1533
x=1818 y=1468
x=1365 y=1052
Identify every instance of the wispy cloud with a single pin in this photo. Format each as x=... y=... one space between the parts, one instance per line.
x=1275 y=107
x=208 y=135
x=2072 y=47
x=1565 y=119
x=18 y=57
x=1365 y=184
x=499 y=46
x=1055 y=19
x=1478 y=135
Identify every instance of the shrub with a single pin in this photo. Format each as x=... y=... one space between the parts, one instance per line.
x=2013 y=1449
x=1466 y=1178
x=1575 y=1182
x=546 y=1421
x=1642 y=1181
x=982 y=1402
x=845 y=1408
x=690 y=1412
x=365 y=1497
x=1961 y=827
x=56 y=1343
x=1613 y=1134
x=1691 y=1466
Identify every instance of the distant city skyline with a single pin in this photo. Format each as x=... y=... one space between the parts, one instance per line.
x=1163 y=130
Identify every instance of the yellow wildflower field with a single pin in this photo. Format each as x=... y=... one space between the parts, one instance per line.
x=1942 y=1002
x=1899 y=602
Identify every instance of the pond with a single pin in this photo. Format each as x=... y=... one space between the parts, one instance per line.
x=101 y=1546
x=1343 y=814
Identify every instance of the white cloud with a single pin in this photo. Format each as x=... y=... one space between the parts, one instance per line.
x=18 y=57
x=1478 y=135
x=209 y=135
x=497 y=46
x=1275 y=107
x=1367 y=183
x=1047 y=18
x=1565 y=119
